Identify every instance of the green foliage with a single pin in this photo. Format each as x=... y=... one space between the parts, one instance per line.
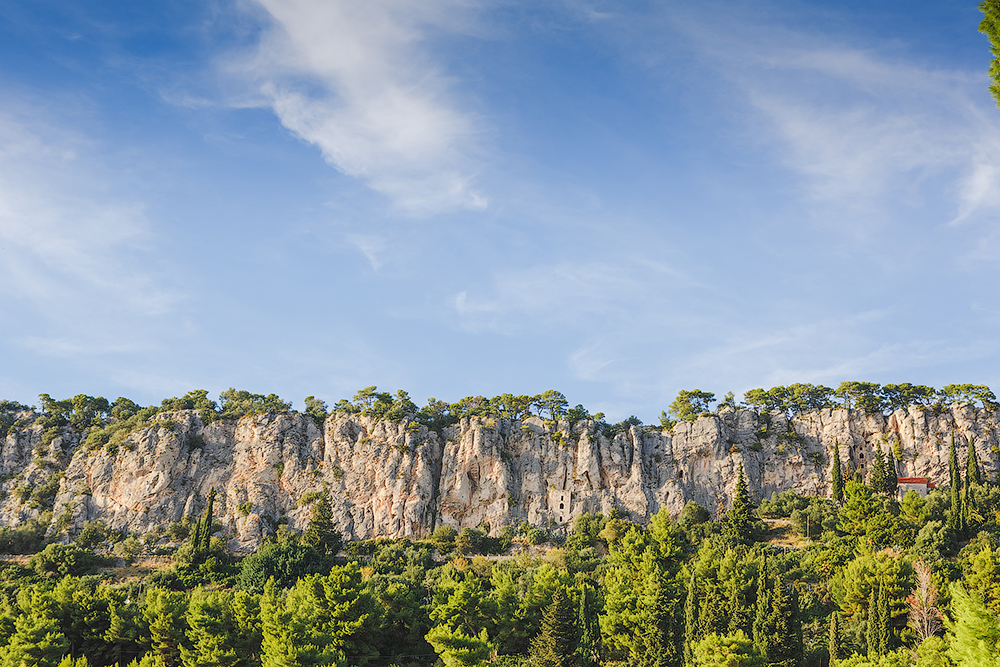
x=316 y=409
x=836 y=476
x=320 y=533
x=990 y=26
x=63 y=559
x=729 y=650
x=974 y=632
x=690 y=403
x=794 y=399
x=739 y=521
x=235 y=403
x=27 y=538
x=555 y=643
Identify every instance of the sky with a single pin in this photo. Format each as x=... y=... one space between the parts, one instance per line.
x=614 y=200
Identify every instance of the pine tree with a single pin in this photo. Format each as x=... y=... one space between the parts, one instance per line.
x=876 y=476
x=836 y=476
x=785 y=649
x=955 y=514
x=654 y=642
x=834 y=646
x=891 y=476
x=691 y=635
x=555 y=643
x=320 y=533
x=739 y=520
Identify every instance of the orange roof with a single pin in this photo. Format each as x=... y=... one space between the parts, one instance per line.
x=915 y=480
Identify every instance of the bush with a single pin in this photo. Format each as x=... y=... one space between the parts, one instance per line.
x=25 y=539
x=128 y=549
x=65 y=559
x=92 y=534
x=536 y=536
x=782 y=504
x=286 y=562
x=693 y=514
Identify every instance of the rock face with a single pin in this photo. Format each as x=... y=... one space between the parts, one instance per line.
x=392 y=480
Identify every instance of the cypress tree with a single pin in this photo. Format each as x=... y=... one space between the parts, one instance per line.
x=972 y=472
x=206 y=534
x=588 y=649
x=836 y=476
x=871 y=634
x=738 y=521
x=712 y=614
x=891 y=475
x=555 y=643
x=884 y=635
x=955 y=515
x=876 y=476
x=762 y=639
x=834 y=646
x=691 y=620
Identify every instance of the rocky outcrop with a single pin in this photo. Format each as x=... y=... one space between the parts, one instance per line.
x=391 y=480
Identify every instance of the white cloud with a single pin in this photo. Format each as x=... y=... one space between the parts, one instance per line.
x=867 y=130
x=370 y=246
x=71 y=254
x=353 y=79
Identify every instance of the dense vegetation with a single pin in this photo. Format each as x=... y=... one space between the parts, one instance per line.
x=859 y=578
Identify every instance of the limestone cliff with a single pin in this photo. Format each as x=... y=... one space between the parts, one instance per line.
x=389 y=479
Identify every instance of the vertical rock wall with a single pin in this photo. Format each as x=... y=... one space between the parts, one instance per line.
x=392 y=480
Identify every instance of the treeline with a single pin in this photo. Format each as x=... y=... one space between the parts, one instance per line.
x=109 y=423
x=870 y=397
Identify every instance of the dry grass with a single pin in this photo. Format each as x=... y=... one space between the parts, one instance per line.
x=781 y=533
x=140 y=569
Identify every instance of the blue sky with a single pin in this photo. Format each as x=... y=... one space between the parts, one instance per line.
x=616 y=200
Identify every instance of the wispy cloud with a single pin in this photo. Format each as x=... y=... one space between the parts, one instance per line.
x=355 y=79
x=867 y=130
x=71 y=254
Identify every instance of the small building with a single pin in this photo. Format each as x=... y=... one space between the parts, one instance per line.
x=560 y=504
x=922 y=485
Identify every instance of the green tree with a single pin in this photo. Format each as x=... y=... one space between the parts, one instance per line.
x=876 y=472
x=739 y=521
x=555 y=643
x=691 y=634
x=901 y=396
x=833 y=648
x=457 y=649
x=165 y=613
x=955 y=514
x=974 y=631
x=972 y=473
x=690 y=403
x=836 y=475
x=588 y=648
x=865 y=396
x=320 y=533
x=732 y=650
x=891 y=476
x=211 y=631
x=37 y=638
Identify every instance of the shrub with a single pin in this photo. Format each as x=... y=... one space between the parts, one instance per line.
x=92 y=534
x=285 y=561
x=65 y=559
x=128 y=549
